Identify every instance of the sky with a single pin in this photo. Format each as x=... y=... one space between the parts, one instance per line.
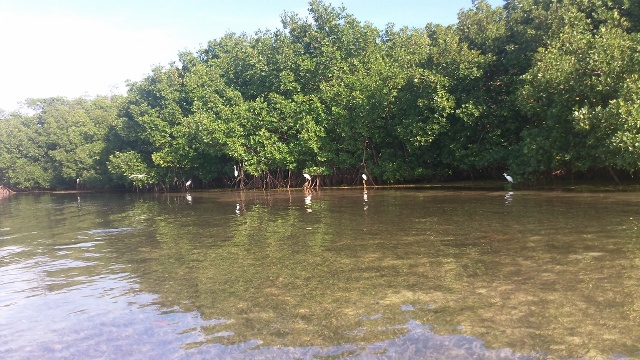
x=75 y=48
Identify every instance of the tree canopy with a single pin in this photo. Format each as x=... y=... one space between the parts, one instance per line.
x=541 y=88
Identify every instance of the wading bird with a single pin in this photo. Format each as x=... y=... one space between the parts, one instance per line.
x=188 y=184
x=308 y=183
x=235 y=171
x=509 y=178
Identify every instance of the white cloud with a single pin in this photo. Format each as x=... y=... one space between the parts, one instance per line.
x=56 y=55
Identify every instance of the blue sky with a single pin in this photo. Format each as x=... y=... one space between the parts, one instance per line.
x=90 y=47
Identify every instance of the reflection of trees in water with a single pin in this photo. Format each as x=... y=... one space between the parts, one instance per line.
x=548 y=274
x=534 y=278
x=4 y=192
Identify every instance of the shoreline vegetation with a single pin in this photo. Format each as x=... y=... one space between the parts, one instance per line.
x=471 y=186
x=546 y=91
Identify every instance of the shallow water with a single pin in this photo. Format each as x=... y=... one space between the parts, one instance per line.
x=387 y=274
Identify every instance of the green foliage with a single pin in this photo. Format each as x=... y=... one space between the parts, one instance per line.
x=62 y=141
x=130 y=167
x=576 y=94
x=535 y=86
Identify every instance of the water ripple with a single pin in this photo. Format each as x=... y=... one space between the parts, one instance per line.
x=109 y=231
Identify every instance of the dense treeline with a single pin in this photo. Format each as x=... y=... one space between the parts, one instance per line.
x=541 y=88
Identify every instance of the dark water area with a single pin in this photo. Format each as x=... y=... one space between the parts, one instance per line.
x=387 y=274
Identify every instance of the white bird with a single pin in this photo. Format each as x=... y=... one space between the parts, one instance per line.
x=509 y=178
x=364 y=177
x=235 y=171
x=188 y=183
x=307 y=176
x=137 y=176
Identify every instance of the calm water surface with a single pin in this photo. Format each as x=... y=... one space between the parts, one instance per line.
x=341 y=274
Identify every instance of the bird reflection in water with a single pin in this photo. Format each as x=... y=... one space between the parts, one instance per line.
x=307 y=203
x=365 y=198
x=240 y=204
x=508 y=197
x=364 y=194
